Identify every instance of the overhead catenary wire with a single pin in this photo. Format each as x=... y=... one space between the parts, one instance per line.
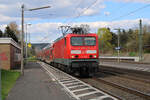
x=78 y=15
x=119 y=8
x=85 y=9
x=78 y=5
x=132 y=12
x=64 y=22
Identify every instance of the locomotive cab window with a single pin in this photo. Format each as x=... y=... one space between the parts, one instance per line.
x=76 y=41
x=89 y=41
x=83 y=41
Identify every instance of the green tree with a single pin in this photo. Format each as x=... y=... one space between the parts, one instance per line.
x=146 y=38
x=31 y=51
x=114 y=40
x=132 y=42
x=123 y=38
x=10 y=33
x=1 y=33
x=105 y=38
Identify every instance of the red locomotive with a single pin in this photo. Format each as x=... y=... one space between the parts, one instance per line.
x=74 y=53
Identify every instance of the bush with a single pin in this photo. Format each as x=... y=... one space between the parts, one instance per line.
x=132 y=54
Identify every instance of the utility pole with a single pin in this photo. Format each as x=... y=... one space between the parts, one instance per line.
x=118 y=48
x=140 y=41
x=22 y=31
x=22 y=41
x=0 y=80
x=118 y=45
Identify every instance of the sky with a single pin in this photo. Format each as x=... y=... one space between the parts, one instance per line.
x=45 y=23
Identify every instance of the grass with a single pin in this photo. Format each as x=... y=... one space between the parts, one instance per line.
x=32 y=59
x=8 y=80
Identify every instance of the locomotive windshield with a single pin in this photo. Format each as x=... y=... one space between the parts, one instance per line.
x=76 y=41
x=83 y=41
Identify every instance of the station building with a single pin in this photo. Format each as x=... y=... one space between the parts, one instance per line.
x=10 y=54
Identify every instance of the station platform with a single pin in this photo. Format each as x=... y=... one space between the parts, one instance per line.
x=37 y=85
x=44 y=82
x=124 y=65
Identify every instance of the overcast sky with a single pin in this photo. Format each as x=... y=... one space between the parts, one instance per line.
x=95 y=13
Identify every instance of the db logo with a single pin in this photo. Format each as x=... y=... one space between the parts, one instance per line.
x=3 y=57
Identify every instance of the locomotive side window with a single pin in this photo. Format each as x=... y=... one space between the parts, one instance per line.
x=76 y=41
x=89 y=41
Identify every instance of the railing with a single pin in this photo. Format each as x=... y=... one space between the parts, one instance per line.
x=136 y=59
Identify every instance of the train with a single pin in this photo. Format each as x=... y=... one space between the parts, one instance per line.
x=75 y=53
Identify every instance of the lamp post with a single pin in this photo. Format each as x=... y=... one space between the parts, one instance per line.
x=22 y=31
x=26 y=40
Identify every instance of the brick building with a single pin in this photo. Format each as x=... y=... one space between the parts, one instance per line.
x=9 y=54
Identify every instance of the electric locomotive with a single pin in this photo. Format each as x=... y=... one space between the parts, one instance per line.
x=76 y=53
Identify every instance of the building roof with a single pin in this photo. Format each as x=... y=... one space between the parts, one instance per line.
x=9 y=41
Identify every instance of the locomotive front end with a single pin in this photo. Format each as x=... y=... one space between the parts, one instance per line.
x=84 y=54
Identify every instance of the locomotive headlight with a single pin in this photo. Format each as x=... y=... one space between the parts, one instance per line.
x=75 y=51
x=94 y=56
x=72 y=56
x=91 y=51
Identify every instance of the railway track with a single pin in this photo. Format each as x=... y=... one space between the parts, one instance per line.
x=136 y=92
x=126 y=73
x=131 y=77
x=127 y=89
x=119 y=91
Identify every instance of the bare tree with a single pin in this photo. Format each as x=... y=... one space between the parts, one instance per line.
x=14 y=27
x=85 y=27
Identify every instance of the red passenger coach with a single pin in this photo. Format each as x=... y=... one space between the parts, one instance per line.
x=75 y=53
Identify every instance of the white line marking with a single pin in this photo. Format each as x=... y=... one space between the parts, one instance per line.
x=69 y=81
x=72 y=83
x=76 y=86
x=80 y=89
x=85 y=94
x=73 y=95
x=59 y=76
x=101 y=97
x=65 y=80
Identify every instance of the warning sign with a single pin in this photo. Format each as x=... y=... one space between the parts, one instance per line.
x=29 y=45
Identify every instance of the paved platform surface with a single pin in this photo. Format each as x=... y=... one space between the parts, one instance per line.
x=140 y=67
x=75 y=87
x=37 y=85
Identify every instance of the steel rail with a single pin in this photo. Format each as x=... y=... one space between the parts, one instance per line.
x=114 y=95
x=127 y=89
x=135 y=73
x=127 y=77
